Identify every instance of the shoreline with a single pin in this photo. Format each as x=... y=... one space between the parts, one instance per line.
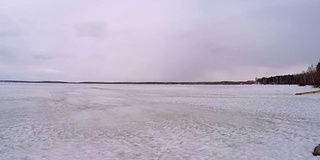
x=142 y=83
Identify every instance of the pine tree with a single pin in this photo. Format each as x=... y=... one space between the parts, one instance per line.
x=318 y=75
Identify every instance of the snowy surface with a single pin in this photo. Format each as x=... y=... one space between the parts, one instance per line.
x=54 y=121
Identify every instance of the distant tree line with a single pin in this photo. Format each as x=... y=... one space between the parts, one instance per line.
x=309 y=77
x=152 y=83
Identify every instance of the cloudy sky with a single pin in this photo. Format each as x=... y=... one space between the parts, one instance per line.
x=163 y=40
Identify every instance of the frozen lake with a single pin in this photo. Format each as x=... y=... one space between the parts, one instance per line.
x=55 y=121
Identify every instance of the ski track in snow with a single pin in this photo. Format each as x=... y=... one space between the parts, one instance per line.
x=53 y=121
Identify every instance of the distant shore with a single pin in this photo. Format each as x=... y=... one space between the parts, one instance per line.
x=151 y=83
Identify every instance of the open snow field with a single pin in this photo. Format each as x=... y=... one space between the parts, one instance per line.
x=62 y=122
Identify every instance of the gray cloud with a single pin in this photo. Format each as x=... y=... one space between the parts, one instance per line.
x=157 y=41
x=4 y=53
x=92 y=29
x=8 y=27
x=42 y=57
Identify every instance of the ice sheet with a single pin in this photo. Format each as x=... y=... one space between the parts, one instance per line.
x=54 y=121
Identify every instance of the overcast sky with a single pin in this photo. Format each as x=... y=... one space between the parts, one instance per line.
x=163 y=40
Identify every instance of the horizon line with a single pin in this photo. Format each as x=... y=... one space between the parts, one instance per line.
x=129 y=82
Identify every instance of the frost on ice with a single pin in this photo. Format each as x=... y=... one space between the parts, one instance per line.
x=157 y=122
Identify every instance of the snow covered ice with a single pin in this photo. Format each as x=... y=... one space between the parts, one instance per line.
x=59 y=121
